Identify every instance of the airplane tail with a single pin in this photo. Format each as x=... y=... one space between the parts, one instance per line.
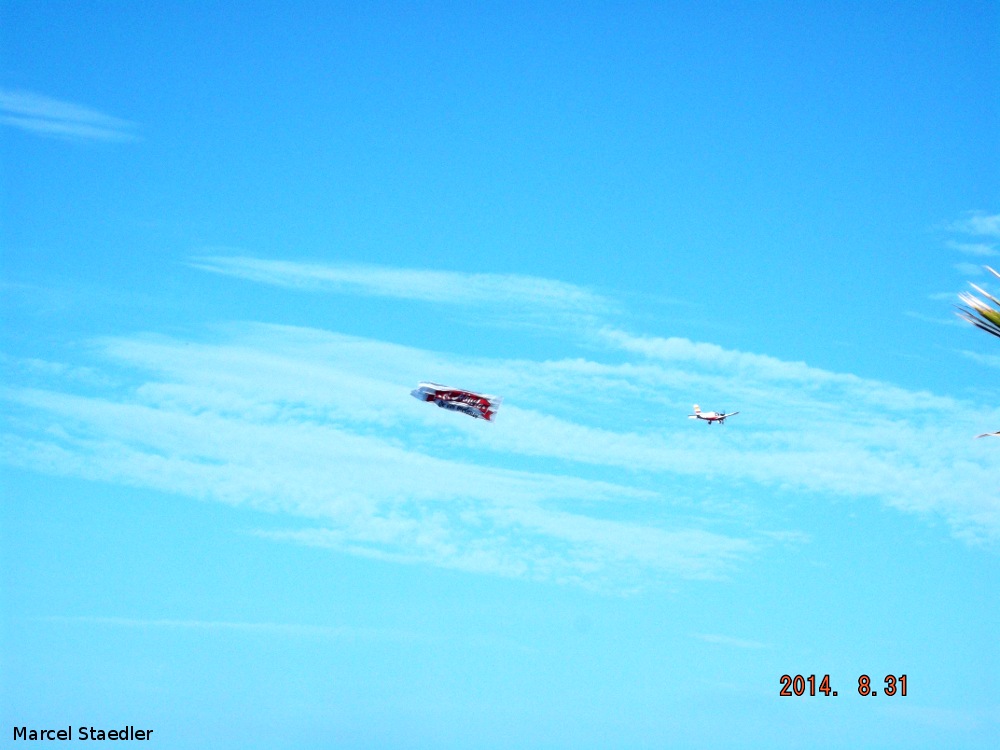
x=697 y=409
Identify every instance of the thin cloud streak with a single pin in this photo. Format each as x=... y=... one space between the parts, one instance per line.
x=45 y=116
x=969 y=269
x=445 y=287
x=978 y=249
x=978 y=224
x=990 y=360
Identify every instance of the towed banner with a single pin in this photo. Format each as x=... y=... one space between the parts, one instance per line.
x=478 y=405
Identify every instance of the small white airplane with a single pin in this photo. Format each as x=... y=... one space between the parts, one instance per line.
x=710 y=416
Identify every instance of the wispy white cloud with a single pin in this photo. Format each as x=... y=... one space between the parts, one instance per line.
x=990 y=360
x=320 y=427
x=823 y=431
x=444 y=287
x=45 y=116
x=969 y=269
x=584 y=478
x=978 y=224
x=42 y=369
x=939 y=320
x=978 y=249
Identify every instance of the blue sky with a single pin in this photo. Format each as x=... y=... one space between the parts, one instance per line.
x=234 y=239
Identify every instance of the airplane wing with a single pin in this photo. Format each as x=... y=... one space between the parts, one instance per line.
x=730 y=414
x=478 y=405
x=989 y=434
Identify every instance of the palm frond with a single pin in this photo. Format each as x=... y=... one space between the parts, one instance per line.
x=984 y=312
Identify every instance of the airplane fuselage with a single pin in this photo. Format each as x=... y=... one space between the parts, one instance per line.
x=710 y=416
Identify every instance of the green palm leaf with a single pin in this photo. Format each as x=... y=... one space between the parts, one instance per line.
x=983 y=313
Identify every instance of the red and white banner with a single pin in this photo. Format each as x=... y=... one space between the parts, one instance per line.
x=479 y=405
